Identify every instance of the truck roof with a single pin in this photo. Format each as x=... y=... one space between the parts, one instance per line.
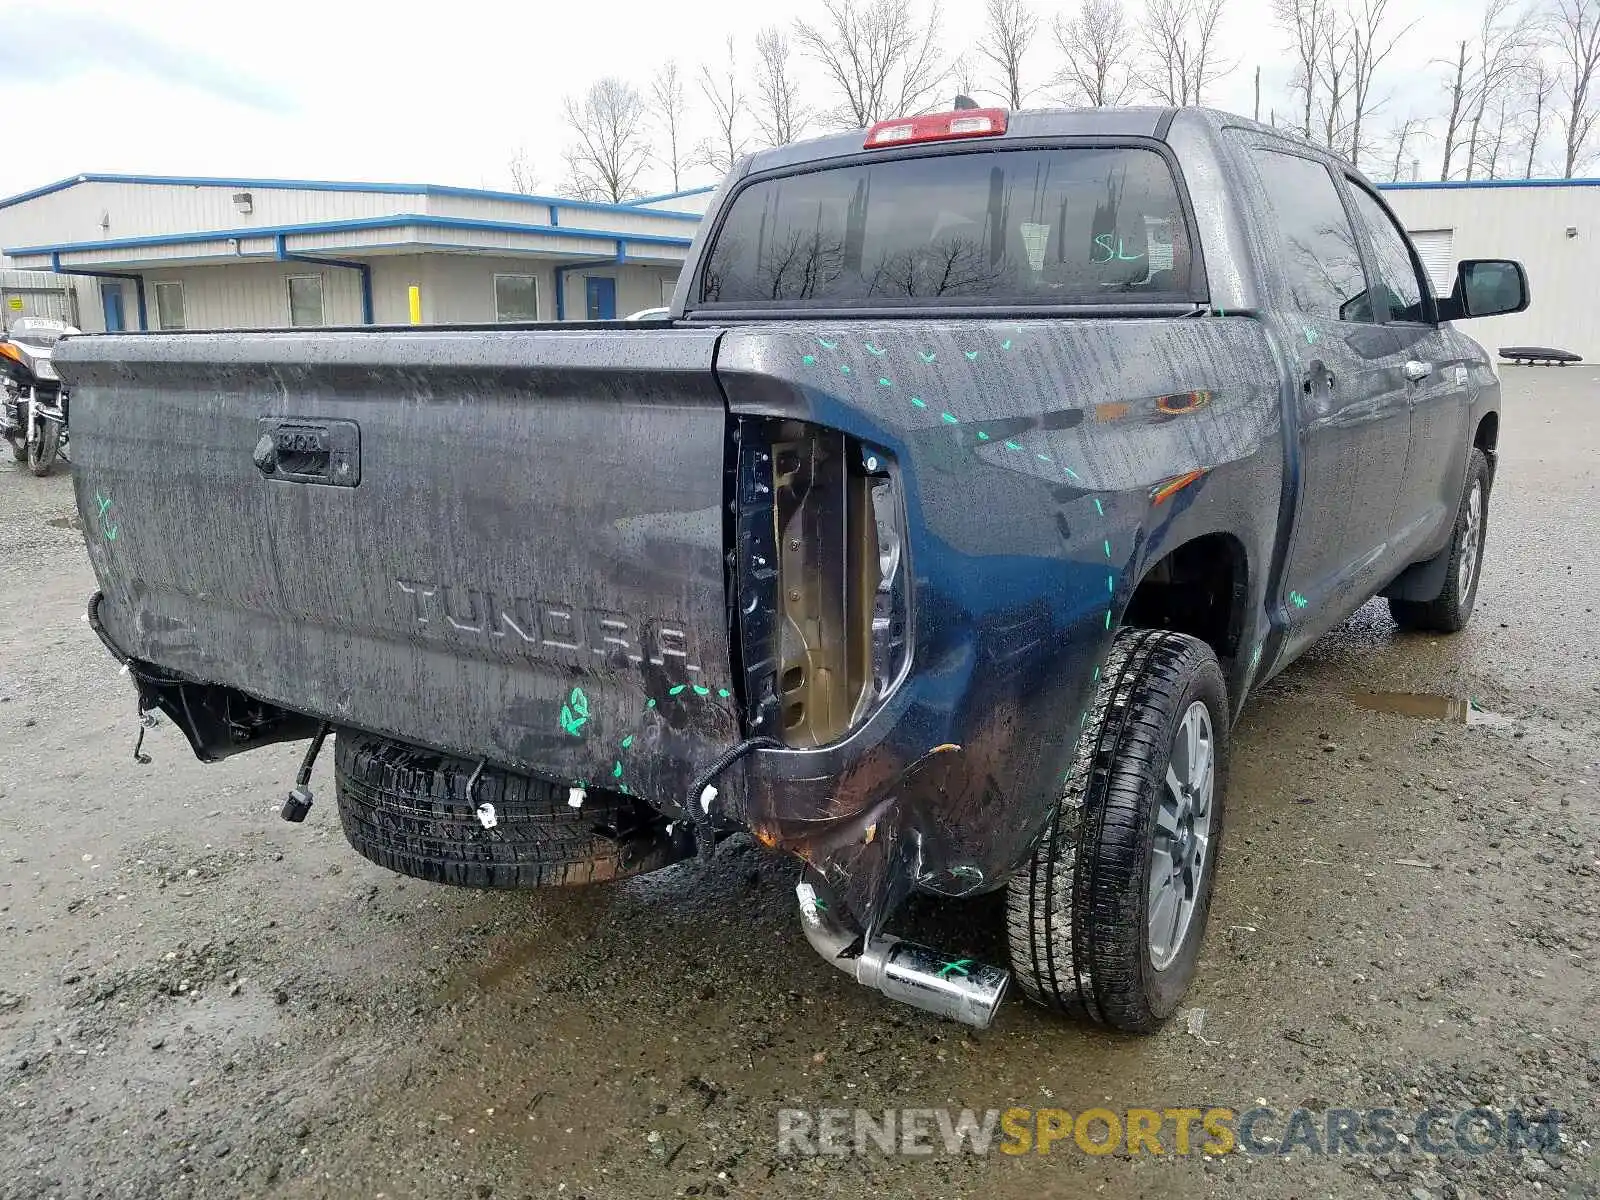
x=1134 y=121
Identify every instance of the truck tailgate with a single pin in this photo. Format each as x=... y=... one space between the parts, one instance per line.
x=501 y=543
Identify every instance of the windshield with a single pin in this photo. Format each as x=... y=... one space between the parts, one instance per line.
x=1058 y=226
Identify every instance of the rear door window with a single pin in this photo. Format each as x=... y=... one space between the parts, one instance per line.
x=1068 y=225
x=1320 y=255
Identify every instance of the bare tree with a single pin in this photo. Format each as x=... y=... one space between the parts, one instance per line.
x=666 y=93
x=1399 y=138
x=877 y=56
x=1010 y=28
x=1370 y=45
x=1506 y=41
x=1309 y=24
x=1457 y=86
x=1181 y=49
x=780 y=114
x=1097 y=47
x=609 y=150
x=721 y=90
x=1334 y=79
x=1575 y=35
x=524 y=178
x=1540 y=82
x=963 y=74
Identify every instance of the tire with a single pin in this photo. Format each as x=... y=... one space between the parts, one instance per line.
x=1078 y=916
x=1451 y=609
x=19 y=449
x=42 y=450
x=406 y=809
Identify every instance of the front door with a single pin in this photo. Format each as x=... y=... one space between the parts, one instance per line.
x=600 y=293
x=111 y=300
x=1351 y=401
x=1436 y=382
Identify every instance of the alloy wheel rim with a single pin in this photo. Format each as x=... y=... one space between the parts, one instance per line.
x=1180 y=852
x=1471 y=540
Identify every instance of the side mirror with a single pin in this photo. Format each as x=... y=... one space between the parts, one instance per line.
x=1486 y=287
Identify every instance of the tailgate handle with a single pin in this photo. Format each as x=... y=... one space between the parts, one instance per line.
x=297 y=450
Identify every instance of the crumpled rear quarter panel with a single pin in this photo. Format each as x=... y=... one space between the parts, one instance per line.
x=1043 y=473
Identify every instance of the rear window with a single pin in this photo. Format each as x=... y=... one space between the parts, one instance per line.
x=1061 y=226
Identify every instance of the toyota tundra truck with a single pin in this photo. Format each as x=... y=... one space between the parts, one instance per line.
x=983 y=465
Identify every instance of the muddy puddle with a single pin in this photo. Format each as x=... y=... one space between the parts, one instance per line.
x=1455 y=710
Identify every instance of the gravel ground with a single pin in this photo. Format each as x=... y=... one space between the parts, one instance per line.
x=199 y=1000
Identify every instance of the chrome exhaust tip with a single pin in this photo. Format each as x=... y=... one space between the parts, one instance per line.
x=960 y=989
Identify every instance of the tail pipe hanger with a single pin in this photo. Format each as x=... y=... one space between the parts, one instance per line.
x=961 y=989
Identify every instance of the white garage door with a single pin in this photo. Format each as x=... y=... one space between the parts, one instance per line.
x=1436 y=247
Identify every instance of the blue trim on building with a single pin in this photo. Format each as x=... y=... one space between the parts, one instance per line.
x=138 y=284
x=327 y=185
x=1448 y=184
x=561 y=278
x=366 y=273
x=399 y=220
x=699 y=191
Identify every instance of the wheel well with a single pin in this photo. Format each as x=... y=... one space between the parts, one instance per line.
x=1199 y=589
x=1488 y=434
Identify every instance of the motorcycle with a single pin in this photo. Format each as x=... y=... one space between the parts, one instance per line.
x=33 y=404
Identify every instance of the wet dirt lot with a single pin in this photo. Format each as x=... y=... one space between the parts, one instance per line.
x=197 y=999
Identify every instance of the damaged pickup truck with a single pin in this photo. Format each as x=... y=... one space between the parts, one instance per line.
x=984 y=464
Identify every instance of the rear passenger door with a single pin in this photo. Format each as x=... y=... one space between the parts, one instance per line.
x=1352 y=406
x=1436 y=384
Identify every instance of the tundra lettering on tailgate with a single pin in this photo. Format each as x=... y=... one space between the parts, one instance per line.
x=549 y=624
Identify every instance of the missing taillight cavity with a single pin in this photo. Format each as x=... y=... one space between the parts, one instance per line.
x=820 y=577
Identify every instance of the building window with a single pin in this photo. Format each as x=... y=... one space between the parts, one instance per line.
x=305 y=300
x=169 y=306
x=516 y=298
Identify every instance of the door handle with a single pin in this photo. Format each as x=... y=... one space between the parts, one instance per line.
x=1417 y=371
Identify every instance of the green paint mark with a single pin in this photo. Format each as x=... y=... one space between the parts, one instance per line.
x=1042 y=457
x=1111 y=584
x=1108 y=547
x=1298 y=600
x=616 y=771
x=650 y=703
x=1108 y=618
x=1311 y=335
x=627 y=741
x=724 y=693
x=1096 y=675
x=826 y=345
x=1006 y=345
x=919 y=402
x=809 y=359
x=885 y=383
x=925 y=357
x=818 y=903
x=575 y=712
x=845 y=369
x=972 y=355
x=982 y=436
x=675 y=689
x=871 y=349
x=103 y=501
x=1071 y=473
x=948 y=419
x=1098 y=507
x=701 y=691
x=961 y=966
x=111 y=532
x=1013 y=446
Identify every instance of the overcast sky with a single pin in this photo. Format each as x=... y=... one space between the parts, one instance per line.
x=447 y=92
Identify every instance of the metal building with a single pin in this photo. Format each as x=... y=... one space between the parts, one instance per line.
x=1551 y=225
x=213 y=253
x=36 y=294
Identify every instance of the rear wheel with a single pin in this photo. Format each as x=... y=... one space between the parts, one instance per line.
x=1105 y=923
x=19 y=449
x=409 y=810
x=1451 y=609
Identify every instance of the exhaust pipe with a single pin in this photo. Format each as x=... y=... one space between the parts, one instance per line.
x=958 y=988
